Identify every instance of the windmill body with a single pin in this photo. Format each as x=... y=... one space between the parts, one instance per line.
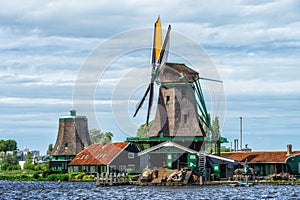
x=176 y=114
x=72 y=137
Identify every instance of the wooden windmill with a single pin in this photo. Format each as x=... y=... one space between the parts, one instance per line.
x=72 y=137
x=177 y=110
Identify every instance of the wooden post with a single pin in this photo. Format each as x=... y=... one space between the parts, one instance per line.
x=110 y=179
x=97 y=181
x=118 y=178
x=201 y=181
x=126 y=178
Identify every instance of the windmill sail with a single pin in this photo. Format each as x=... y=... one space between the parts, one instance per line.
x=165 y=48
x=139 y=105
x=163 y=56
x=159 y=56
x=157 y=41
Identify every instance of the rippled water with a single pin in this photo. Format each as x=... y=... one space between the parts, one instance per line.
x=88 y=190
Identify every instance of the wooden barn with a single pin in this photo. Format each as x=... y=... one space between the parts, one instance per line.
x=112 y=157
x=73 y=136
x=267 y=163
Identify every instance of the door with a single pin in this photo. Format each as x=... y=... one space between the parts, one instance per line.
x=192 y=160
x=169 y=160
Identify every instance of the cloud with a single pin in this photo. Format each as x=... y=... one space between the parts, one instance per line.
x=254 y=45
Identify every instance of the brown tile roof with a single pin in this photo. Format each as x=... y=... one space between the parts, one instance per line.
x=259 y=157
x=96 y=154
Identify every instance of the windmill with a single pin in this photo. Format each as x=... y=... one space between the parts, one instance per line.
x=181 y=109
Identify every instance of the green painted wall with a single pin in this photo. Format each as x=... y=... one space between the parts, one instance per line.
x=216 y=170
x=267 y=169
x=192 y=160
x=169 y=160
x=294 y=163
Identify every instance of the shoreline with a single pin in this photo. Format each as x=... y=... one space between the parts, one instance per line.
x=208 y=183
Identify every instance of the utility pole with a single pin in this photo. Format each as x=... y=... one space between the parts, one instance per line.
x=241 y=133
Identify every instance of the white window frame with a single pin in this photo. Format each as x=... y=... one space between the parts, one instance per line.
x=122 y=168
x=130 y=155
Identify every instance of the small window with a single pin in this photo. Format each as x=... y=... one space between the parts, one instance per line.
x=112 y=168
x=185 y=117
x=131 y=167
x=130 y=155
x=122 y=168
x=168 y=100
x=93 y=169
x=66 y=145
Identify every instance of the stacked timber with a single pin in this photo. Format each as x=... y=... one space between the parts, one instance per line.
x=164 y=176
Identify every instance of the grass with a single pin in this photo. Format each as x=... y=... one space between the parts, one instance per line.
x=31 y=175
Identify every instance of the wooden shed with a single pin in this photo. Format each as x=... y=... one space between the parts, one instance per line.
x=112 y=157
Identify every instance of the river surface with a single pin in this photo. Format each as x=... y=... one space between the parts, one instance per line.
x=88 y=190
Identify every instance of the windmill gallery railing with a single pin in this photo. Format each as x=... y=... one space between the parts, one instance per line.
x=178 y=138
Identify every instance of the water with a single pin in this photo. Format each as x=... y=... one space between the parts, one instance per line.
x=88 y=190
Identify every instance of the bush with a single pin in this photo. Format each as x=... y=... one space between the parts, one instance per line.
x=29 y=166
x=72 y=175
x=37 y=167
x=35 y=175
x=45 y=174
x=4 y=166
x=41 y=179
x=80 y=176
x=9 y=167
x=88 y=177
x=16 y=167
x=58 y=177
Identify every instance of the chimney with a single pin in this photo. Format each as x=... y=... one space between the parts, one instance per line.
x=73 y=113
x=289 y=149
x=235 y=145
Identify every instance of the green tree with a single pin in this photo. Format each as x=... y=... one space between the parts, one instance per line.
x=2 y=146
x=8 y=145
x=50 y=148
x=205 y=128
x=28 y=163
x=143 y=130
x=100 y=137
x=11 y=145
x=216 y=128
x=11 y=159
x=213 y=132
x=225 y=149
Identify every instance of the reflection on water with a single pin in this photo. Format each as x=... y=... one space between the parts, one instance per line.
x=88 y=190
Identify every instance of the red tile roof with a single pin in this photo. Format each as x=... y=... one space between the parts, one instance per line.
x=96 y=154
x=259 y=157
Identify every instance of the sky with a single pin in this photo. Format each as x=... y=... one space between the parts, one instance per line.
x=49 y=48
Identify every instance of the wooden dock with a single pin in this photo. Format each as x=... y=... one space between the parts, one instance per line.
x=112 y=179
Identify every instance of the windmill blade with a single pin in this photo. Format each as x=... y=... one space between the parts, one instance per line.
x=139 y=105
x=156 y=49
x=209 y=79
x=165 y=49
x=150 y=101
x=157 y=41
